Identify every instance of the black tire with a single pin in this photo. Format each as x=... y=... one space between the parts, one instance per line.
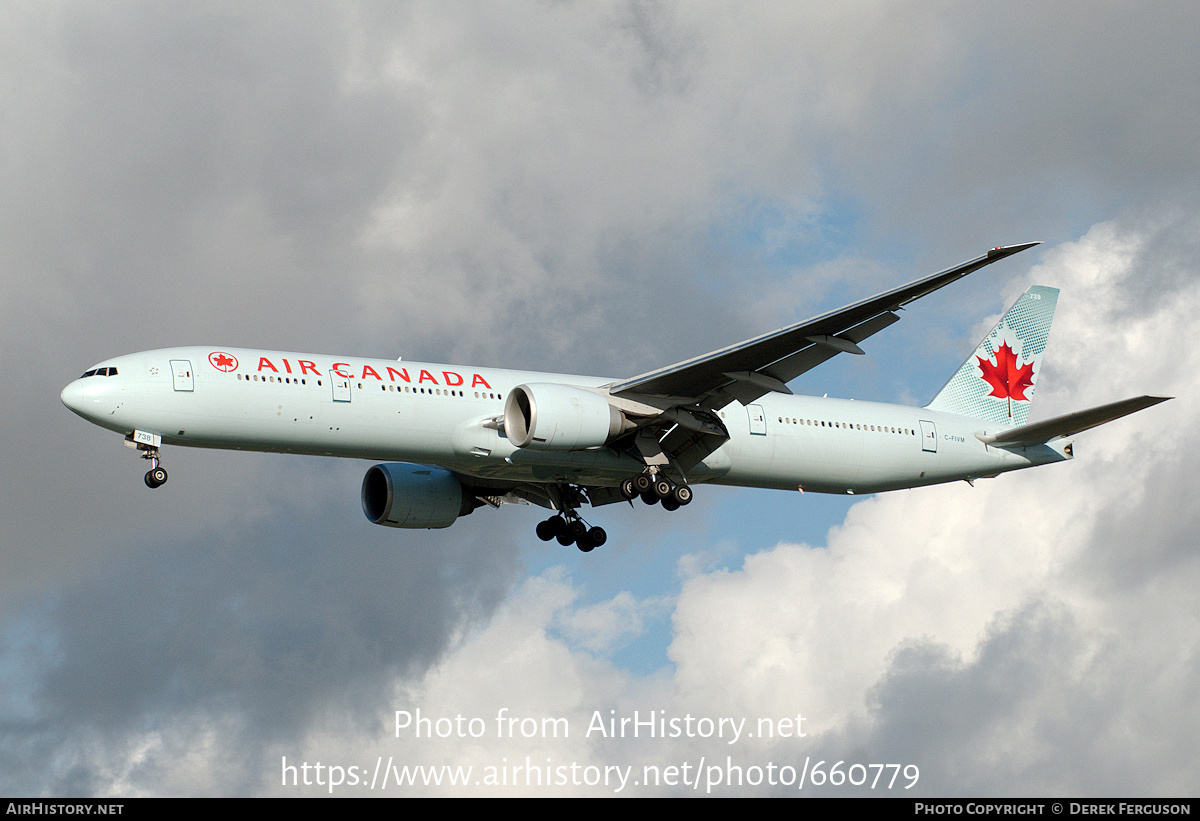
x=682 y=494
x=642 y=483
x=585 y=545
x=156 y=477
x=578 y=530
x=597 y=536
x=662 y=488
x=650 y=498
x=669 y=503
x=627 y=489
x=546 y=530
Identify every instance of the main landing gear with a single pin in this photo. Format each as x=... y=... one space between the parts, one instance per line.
x=656 y=489
x=568 y=526
x=570 y=529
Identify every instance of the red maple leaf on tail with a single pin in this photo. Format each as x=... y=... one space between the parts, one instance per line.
x=1007 y=380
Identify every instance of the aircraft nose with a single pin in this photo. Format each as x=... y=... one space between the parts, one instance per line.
x=72 y=396
x=87 y=397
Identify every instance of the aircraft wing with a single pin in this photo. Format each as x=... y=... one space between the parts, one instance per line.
x=750 y=369
x=1069 y=424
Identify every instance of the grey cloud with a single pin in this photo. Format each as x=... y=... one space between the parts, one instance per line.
x=966 y=722
x=249 y=634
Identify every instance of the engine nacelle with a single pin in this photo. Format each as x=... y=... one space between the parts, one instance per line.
x=398 y=494
x=548 y=416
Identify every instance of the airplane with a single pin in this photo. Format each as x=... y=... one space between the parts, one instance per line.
x=451 y=439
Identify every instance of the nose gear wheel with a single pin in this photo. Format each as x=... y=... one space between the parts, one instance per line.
x=156 y=476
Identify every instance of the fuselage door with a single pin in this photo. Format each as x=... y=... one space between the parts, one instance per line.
x=928 y=437
x=758 y=420
x=181 y=375
x=341 y=387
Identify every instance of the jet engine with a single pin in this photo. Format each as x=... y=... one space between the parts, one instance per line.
x=398 y=494
x=548 y=416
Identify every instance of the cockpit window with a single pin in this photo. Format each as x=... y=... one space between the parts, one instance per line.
x=99 y=372
x=86 y=374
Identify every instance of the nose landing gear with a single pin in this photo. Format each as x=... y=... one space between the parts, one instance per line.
x=148 y=444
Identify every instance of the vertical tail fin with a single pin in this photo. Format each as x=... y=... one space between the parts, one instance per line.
x=996 y=382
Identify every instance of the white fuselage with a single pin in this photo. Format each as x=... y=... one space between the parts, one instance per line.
x=434 y=414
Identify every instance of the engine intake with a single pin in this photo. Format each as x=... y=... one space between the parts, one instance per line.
x=549 y=416
x=398 y=494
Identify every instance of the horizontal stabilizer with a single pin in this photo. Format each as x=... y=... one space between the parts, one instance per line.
x=1071 y=423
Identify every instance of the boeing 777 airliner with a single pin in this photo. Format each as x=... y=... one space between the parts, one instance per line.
x=454 y=438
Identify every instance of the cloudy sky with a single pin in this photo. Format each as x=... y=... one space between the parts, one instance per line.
x=599 y=188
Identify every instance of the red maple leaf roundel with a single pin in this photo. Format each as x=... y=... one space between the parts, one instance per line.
x=223 y=361
x=1008 y=381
